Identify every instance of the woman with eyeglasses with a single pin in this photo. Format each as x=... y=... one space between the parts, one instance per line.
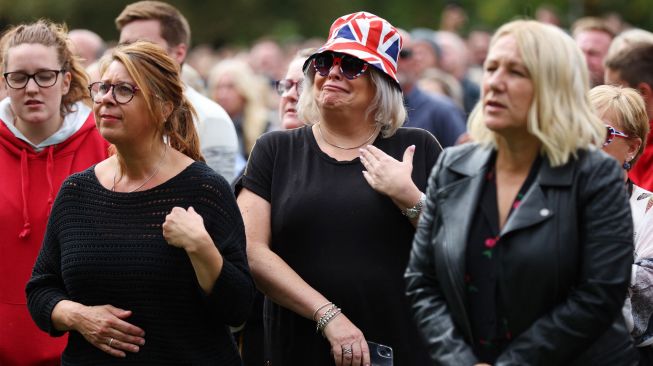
x=143 y=261
x=624 y=112
x=329 y=207
x=290 y=88
x=523 y=252
x=47 y=132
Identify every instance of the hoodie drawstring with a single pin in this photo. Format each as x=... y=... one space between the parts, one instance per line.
x=24 y=188
x=49 y=171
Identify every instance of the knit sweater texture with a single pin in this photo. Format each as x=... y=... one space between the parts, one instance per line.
x=104 y=247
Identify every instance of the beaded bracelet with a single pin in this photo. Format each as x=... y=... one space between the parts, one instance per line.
x=326 y=318
x=320 y=308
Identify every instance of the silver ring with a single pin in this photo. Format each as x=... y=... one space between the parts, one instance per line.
x=110 y=341
x=346 y=351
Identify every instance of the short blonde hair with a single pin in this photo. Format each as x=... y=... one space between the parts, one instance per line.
x=627 y=108
x=387 y=106
x=560 y=116
x=626 y=39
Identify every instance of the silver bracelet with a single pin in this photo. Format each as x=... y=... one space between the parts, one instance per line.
x=320 y=308
x=326 y=318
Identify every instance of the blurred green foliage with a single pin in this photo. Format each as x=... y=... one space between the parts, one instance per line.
x=240 y=22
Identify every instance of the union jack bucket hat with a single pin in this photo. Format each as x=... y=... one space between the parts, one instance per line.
x=367 y=37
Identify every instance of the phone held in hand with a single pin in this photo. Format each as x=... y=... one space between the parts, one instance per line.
x=380 y=355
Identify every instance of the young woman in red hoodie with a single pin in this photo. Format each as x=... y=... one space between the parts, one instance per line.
x=47 y=132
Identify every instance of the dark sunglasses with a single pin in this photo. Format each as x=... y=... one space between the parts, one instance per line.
x=284 y=86
x=612 y=133
x=350 y=66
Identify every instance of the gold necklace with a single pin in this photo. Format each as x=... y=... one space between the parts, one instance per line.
x=319 y=130
x=158 y=167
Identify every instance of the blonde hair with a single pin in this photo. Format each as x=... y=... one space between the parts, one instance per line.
x=253 y=89
x=55 y=35
x=387 y=106
x=158 y=78
x=560 y=115
x=627 y=108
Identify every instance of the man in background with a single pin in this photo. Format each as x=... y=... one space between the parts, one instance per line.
x=164 y=25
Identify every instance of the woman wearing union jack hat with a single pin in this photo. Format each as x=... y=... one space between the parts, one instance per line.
x=329 y=208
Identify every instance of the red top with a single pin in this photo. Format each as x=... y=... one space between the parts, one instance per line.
x=642 y=172
x=29 y=182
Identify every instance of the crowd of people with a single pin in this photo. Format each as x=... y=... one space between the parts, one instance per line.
x=378 y=196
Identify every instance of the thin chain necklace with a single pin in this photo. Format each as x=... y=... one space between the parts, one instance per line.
x=319 y=129
x=158 y=167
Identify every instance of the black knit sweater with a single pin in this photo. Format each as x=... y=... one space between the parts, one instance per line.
x=103 y=247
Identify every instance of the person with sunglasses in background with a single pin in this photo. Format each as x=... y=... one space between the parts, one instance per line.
x=329 y=208
x=624 y=112
x=290 y=88
x=47 y=132
x=143 y=261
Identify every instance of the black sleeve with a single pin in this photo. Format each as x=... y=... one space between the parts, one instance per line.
x=46 y=288
x=430 y=310
x=258 y=173
x=233 y=292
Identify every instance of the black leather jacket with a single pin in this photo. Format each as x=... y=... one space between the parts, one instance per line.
x=565 y=260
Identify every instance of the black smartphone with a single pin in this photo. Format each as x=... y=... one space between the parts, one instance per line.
x=380 y=355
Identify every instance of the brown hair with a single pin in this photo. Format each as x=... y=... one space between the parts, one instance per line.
x=174 y=26
x=158 y=78
x=54 y=35
x=634 y=64
x=591 y=24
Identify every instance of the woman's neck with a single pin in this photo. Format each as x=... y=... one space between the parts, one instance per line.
x=517 y=155
x=139 y=160
x=38 y=132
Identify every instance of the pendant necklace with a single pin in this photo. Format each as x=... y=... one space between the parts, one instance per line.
x=158 y=167
x=319 y=130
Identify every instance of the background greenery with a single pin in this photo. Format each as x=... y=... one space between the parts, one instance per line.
x=241 y=21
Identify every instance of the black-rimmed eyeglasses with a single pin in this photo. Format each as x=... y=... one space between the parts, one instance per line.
x=43 y=78
x=122 y=92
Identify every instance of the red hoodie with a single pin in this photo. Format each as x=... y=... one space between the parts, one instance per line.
x=642 y=173
x=29 y=182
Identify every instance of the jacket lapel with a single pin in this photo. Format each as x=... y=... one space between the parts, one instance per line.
x=458 y=201
x=535 y=209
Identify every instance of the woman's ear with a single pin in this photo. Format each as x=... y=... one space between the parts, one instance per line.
x=634 y=144
x=167 y=109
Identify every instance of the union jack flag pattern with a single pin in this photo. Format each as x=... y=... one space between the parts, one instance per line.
x=367 y=37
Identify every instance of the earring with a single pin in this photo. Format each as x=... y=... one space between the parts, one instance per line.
x=627 y=165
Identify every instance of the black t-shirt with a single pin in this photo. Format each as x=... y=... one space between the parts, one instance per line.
x=343 y=238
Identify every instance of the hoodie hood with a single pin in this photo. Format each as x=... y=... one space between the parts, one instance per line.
x=65 y=141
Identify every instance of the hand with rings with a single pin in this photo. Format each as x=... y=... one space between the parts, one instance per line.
x=348 y=344
x=104 y=326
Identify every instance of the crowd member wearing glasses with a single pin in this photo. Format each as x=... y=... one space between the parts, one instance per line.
x=624 y=112
x=47 y=132
x=523 y=253
x=327 y=249
x=158 y=271
x=289 y=90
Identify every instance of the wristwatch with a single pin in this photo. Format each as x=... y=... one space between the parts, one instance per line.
x=413 y=212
